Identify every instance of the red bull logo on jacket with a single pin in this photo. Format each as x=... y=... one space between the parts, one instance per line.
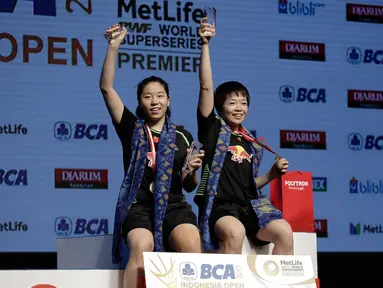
x=239 y=154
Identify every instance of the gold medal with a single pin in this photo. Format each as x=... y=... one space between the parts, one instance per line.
x=151 y=187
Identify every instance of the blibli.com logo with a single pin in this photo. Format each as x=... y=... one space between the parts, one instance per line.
x=367 y=187
x=64 y=131
x=289 y=94
x=357 y=56
x=357 y=142
x=303 y=8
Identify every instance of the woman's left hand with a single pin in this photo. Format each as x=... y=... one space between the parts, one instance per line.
x=281 y=164
x=195 y=161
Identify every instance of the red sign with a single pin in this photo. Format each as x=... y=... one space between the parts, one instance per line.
x=309 y=51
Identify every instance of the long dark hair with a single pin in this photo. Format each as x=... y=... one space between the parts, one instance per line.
x=140 y=87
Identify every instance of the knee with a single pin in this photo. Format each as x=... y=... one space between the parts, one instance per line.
x=137 y=249
x=284 y=237
x=233 y=236
x=190 y=244
x=185 y=238
x=193 y=243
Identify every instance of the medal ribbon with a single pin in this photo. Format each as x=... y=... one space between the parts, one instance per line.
x=152 y=147
x=260 y=141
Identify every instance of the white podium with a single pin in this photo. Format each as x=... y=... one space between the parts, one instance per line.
x=95 y=252
x=87 y=262
x=304 y=244
x=173 y=270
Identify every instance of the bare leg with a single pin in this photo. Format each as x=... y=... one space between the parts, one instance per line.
x=280 y=234
x=185 y=238
x=230 y=232
x=139 y=240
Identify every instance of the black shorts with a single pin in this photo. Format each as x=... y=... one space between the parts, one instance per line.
x=244 y=213
x=142 y=216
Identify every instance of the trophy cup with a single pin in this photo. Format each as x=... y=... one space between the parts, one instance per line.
x=210 y=14
x=194 y=149
x=116 y=32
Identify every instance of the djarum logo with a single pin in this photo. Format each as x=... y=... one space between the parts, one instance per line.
x=365 y=99
x=321 y=228
x=364 y=13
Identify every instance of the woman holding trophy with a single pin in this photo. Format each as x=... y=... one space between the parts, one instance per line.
x=231 y=205
x=151 y=209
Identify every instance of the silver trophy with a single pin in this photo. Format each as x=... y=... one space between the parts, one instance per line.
x=211 y=14
x=116 y=32
x=195 y=148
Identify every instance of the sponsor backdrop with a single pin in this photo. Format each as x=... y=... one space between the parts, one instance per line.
x=316 y=98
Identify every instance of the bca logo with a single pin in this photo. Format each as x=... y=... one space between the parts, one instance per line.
x=64 y=131
x=354 y=55
x=13 y=177
x=64 y=227
x=188 y=271
x=356 y=142
x=288 y=94
x=368 y=56
x=218 y=272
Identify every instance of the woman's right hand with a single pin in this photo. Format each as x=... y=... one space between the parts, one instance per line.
x=206 y=31
x=115 y=35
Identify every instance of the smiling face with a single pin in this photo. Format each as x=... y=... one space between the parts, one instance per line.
x=154 y=101
x=235 y=109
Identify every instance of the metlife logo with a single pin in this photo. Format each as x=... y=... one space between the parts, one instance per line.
x=15 y=129
x=359 y=229
x=13 y=226
x=299 y=8
x=366 y=187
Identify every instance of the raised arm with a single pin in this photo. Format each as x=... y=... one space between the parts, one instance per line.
x=206 y=94
x=112 y=99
